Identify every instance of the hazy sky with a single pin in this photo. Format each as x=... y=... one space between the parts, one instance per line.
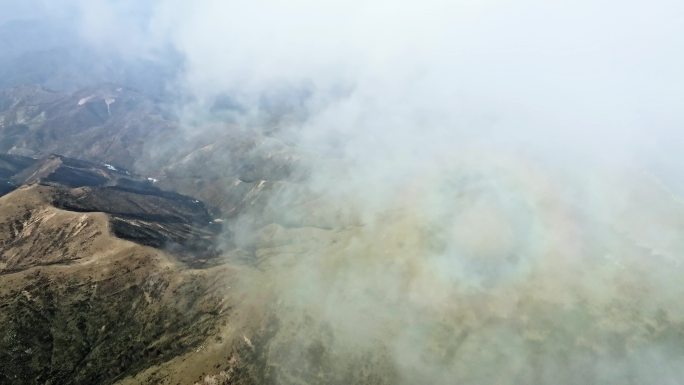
x=603 y=73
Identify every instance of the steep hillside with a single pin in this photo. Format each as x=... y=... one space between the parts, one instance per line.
x=80 y=305
x=105 y=123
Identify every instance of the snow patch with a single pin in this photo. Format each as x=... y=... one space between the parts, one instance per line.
x=85 y=100
x=153 y=180
x=110 y=167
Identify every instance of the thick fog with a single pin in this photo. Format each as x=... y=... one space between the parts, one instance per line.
x=490 y=191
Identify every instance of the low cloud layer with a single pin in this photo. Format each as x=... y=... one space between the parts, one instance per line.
x=492 y=188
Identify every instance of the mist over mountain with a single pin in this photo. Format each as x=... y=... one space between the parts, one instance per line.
x=306 y=192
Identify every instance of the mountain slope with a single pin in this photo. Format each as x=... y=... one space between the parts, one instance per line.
x=82 y=306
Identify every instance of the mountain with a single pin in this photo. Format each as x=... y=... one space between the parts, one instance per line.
x=112 y=124
x=125 y=256
x=137 y=210
x=99 y=273
x=107 y=123
x=106 y=278
x=80 y=305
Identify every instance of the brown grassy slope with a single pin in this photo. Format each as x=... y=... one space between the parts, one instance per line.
x=78 y=305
